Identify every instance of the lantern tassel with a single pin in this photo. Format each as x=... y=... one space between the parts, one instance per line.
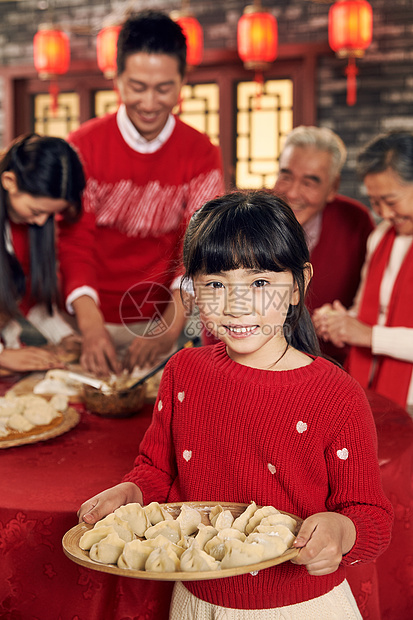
x=54 y=94
x=259 y=80
x=351 y=72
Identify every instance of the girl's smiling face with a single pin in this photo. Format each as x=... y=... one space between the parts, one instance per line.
x=246 y=309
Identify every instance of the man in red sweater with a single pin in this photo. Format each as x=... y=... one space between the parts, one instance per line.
x=336 y=227
x=147 y=172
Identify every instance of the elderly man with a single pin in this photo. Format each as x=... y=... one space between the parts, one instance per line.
x=336 y=227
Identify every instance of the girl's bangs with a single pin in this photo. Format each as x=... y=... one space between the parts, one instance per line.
x=239 y=250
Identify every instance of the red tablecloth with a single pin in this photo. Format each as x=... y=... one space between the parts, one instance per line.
x=43 y=484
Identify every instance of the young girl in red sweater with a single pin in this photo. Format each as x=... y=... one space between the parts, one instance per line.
x=261 y=416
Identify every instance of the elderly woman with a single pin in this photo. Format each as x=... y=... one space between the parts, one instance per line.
x=379 y=326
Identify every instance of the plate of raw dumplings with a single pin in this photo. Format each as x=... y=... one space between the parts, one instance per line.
x=185 y=541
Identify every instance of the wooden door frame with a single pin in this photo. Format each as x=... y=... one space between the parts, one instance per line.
x=296 y=62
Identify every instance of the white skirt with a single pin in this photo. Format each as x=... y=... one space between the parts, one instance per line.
x=338 y=604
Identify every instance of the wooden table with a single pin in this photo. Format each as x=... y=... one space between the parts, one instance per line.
x=42 y=485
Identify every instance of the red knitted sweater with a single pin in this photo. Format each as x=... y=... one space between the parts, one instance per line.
x=136 y=210
x=302 y=440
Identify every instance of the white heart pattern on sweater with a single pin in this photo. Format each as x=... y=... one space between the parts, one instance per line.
x=342 y=454
x=181 y=396
x=187 y=454
x=160 y=405
x=301 y=426
x=271 y=468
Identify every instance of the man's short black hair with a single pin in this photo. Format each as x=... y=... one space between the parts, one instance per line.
x=152 y=32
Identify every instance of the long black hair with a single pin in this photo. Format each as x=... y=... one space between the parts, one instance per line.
x=253 y=230
x=46 y=167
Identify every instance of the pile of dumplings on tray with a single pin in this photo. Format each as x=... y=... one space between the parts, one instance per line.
x=149 y=538
x=20 y=415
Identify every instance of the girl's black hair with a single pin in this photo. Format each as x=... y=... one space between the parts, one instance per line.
x=253 y=230
x=46 y=167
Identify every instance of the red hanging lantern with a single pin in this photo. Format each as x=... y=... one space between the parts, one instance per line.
x=51 y=53
x=257 y=38
x=106 y=50
x=350 y=30
x=194 y=39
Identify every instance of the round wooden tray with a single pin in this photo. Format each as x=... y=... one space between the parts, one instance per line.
x=69 y=420
x=71 y=548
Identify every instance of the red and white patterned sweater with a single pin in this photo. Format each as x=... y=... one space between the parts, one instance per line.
x=136 y=210
x=301 y=440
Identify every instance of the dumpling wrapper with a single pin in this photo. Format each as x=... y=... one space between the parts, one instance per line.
x=195 y=559
x=89 y=538
x=40 y=414
x=274 y=545
x=277 y=530
x=215 y=548
x=119 y=525
x=162 y=560
x=189 y=518
x=230 y=532
x=107 y=550
x=156 y=513
x=223 y=520
x=205 y=533
x=134 y=554
x=239 y=553
x=259 y=514
x=280 y=519
x=135 y=516
x=60 y=402
x=170 y=529
x=18 y=422
x=240 y=522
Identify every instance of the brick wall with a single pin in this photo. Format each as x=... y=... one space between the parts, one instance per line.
x=385 y=81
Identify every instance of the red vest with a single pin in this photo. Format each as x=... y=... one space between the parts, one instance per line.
x=386 y=375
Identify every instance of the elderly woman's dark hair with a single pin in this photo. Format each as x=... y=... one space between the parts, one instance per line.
x=390 y=150
x=253 y=230
x=45 y=167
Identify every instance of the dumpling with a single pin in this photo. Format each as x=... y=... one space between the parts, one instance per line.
x=230 y=532
x=18 y=422
x=60 y=402
x=8 y=406
x=156 y=513
x=239 y=553
x=194 y=559
x=240 y=522
x=259 y=514
x=277 y=530
x=135 y=553
x=40 y=414
x=189 y=519
x=274 y=546
x=205 y=533
x=170 y=529
x=221 y=518
x=280 y=519
x=107 y=550
x=215 y=548
x=135 y=516
x=89 y=538
x=162 y=559
x=119 y=525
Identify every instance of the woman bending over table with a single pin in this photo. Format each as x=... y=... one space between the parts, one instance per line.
x=379 y=326
x=41 y=178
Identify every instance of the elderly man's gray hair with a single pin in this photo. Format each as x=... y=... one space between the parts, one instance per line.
x=322 y=139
